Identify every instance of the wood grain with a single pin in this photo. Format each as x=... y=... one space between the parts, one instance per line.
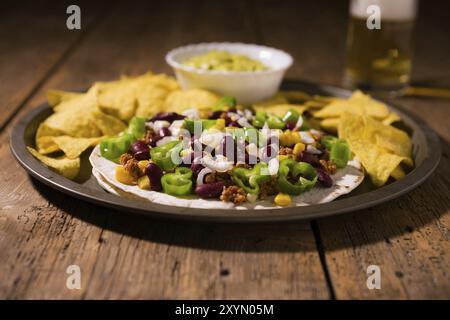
x=131 y=257
x=35 y=39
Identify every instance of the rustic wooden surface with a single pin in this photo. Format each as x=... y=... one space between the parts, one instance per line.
x=124 y=256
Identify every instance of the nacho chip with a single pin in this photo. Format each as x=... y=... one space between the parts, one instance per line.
x=391 y=118
x=330 y=124
x=55 y=97
x=358 y=103
x=398 y=173
x=74 y=147
x=380 y=148
x=117 y=98
x=278 y=98
x=68 y=168
x=180 y=100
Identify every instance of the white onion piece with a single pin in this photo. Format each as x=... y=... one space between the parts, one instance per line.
x=220 y=164
x=248 y=114
x=252 y=197
x=191 y=114
x=175 y=127
x=299 y=122
x=159 y=124
x=211 y=138
x=202 y=174
x=306 y=137
x=273 y=166
x=244 y=123
x=165 y=140
x=252 y=149
x=313 y=150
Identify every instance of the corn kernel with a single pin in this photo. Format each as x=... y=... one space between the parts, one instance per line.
x=142 y=164
x=283 y=199
x=282 y=157
x=123 y=176
x=144 y=183
x=299 y=147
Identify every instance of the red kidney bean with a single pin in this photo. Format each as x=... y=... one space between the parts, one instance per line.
x=290 y=125
x=234 y=124
x=154 y=174
x=140 y=150
x=324 y=178
x=216 y=114
x=153 y=140
x=196 y=168
x=309 y=158
x=167 y=116
x=210 y=190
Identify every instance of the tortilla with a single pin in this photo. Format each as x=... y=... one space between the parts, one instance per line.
x=345 y=180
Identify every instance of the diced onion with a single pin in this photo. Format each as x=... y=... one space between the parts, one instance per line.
x=221 y=163
x=244 y=123
x=175 y=127
x=202 y=174
x=165 y=140
x=191 y=114
x=306 y=137
x=159 y=124
x=273 y=166
x=313 y=150
x=299 y=122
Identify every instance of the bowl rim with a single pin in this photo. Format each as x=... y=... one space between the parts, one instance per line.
x=176 y=65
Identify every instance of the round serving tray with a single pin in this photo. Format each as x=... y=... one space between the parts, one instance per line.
x=426 y=154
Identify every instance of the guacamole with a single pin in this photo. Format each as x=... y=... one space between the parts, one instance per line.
x=224 y=61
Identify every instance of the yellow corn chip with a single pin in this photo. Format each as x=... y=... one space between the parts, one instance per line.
x=68 y=168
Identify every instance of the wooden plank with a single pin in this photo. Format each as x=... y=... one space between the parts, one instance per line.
x=131 y=257
x=409 y=237
x=34 y=40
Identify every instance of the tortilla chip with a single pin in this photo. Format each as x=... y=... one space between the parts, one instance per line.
x=74 y=147
x=278 y=98
x=330 y=124
x=117 y=98
x=108 y=125
x=398 y=173
x=68 y=168
x=391 y=118
x=380 y=148
x=358 y=103
x=55 y=97
x=180 y=100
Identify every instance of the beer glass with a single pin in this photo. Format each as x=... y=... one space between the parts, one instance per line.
x=380 y=44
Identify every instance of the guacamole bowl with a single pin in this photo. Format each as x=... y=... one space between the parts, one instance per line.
x=246 y=86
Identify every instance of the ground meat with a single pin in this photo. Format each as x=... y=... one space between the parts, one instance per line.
x=233 y=194
x=125 y=157
x=243 y=165
x=285 y=151
x=268 y=188
x=328 y=165
x=132 y=167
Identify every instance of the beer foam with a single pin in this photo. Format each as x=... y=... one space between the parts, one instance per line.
x=398 y=10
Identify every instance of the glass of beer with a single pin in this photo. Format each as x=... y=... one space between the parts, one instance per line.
x=380 y=44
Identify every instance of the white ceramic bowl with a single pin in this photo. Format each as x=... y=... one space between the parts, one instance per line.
x=246 y=87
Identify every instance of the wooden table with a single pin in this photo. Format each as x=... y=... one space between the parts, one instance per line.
x=42 y=231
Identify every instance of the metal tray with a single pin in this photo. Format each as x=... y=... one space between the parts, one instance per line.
x=426 y=154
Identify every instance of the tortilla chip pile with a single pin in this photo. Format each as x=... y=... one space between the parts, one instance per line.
x=81 y=120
